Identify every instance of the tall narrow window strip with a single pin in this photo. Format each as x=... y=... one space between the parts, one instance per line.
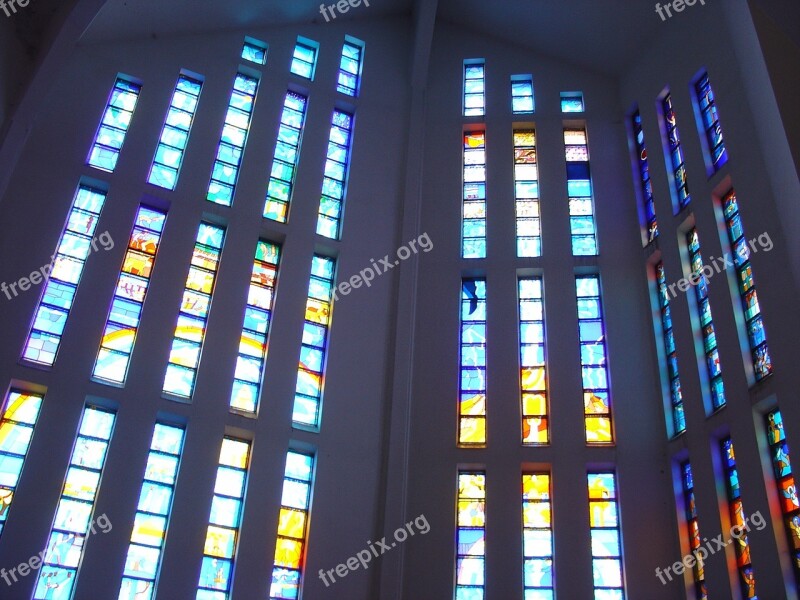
x=710 y=350
x=710 y=122
x=473 y=224
x=349 y=81
x=254 y=51
x=472 y=381
x=754 y=322
x=114 y=125
x=175 y=135
x=693 y=531
x=74 y=516
x=143 y=561
x=314 y=348
x=20 y=414
x=122 y=325
x=522 y=101
x=63 y=275
x=474 y=89
x=594 y=366
x=675 y=159
x=537 y=537
x=304 y=60
x=255 y=330
x=190 y=332
x=222 y=536
x=533 y=362
x=644 y=178
x=675 y=393
x=337 y=169
x=787 y=487
x=579 y=189
x=287 y=153
x=526 y=194
x=471 y=536
x=225 y=172
x=605 y=532
x=290 y=547
x=747 y=579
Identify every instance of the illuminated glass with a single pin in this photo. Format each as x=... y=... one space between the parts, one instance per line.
x=676 y=396
x=334 y=183
x=114 y=125
x=693 y=531
x=471 y=536
x=675 y=159
x=537 y=537
x=254 y=51
x=572 y=102
x=350 y=67
x=304 y=59
x=644 y=178
x=474 y=89
x=473 y=223
x=526 y=194
x=605 y=532
x=472 y=380
x=522 y=94
x=533 y=362
x=579 y=189
x=710 y=122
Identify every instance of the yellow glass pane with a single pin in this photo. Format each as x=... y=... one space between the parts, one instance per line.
x=534 y=405
x=533 y=379
x=536 y=514
x=234 y=453
x=471 y=513
x=536 y=487
x=471 y=485
x=276 y=210
x=200 y=281
x=317 y=311
x=292 y=523
x=603 y=514
x=598 y=429
x=473 y=405
x=288 y=553
x=473 y=431
x=524 y=138
x=138 y=264
x=594 y=404
x=534 y=431
x=220 y=542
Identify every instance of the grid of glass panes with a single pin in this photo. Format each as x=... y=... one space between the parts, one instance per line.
x=254 y=52
x=255 y=330
x=122 y=325
x=175 y=134
x=471 y=536
x=747 y=579
x=537 y=537
x=472 y=357
x=754 y=322
x=675 y=152
x=522 y=94
x=579 y=190
x=473 y=225
x=114 y=125
x=190 y=332
x=676 y=396
x=350 y=68
x=572 y=102
x=287 y=570
x=606 y=543
x=73 y=521
x=63 y=275
x=234 y=137
x=644 y=178
x=334 y=183
x=304 y=60
x=594 y=366
x=711 y=353
x=693 y=530
x=287 y=153
x=20 y=413
x=710 y=122
x=526 y=194
x=222 y=536
x=474 y=89
x=143 y=561
x=316 y=329
x=533 y=362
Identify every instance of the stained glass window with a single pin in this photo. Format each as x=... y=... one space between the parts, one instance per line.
x=606 y=544
x=287 y=153
x=676 y=396
x=474 y=89
x=175 y=135
x=713 y=365
x=254 y=51
x=334 y=183
x=143 y=561
x=533 y=362
x=63 y=275
x=644 y=178
x=594 y=367
x=350 y=66
x=472 y=382
x=526 y=194
x=20 y=414
x=572 y=102
x=222 y=536
x=311 y=370
x=304 y=58
x=693 y=530
x=114 y=125
x=287 y=571
x=754 y=322
x=537 y=537
x=747 y=579
x=190 y=332
x=787 y=487
x=522 y=94
x=73 y=521
x=471 y=536
x=579 y=189
x=675 y=153
x=710 y=122
x=473 y=228
x=232 y=142
x=255 y=330
x=122 y=325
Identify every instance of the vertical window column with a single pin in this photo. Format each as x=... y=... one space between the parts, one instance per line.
x=337 y=170
x=693 y=529
x=472 y=382
x=474 y=89
x=605 y=532
x=349 y=80
x=473 y=216
x=537 y=537
x=675 y=157
x=526 y=194
x=710 y=122
x=644 y=178
x=533 y=362
x=579 y=190
x=114 y=126
x=522 y=94
x=676 y=396
x=471 y=536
